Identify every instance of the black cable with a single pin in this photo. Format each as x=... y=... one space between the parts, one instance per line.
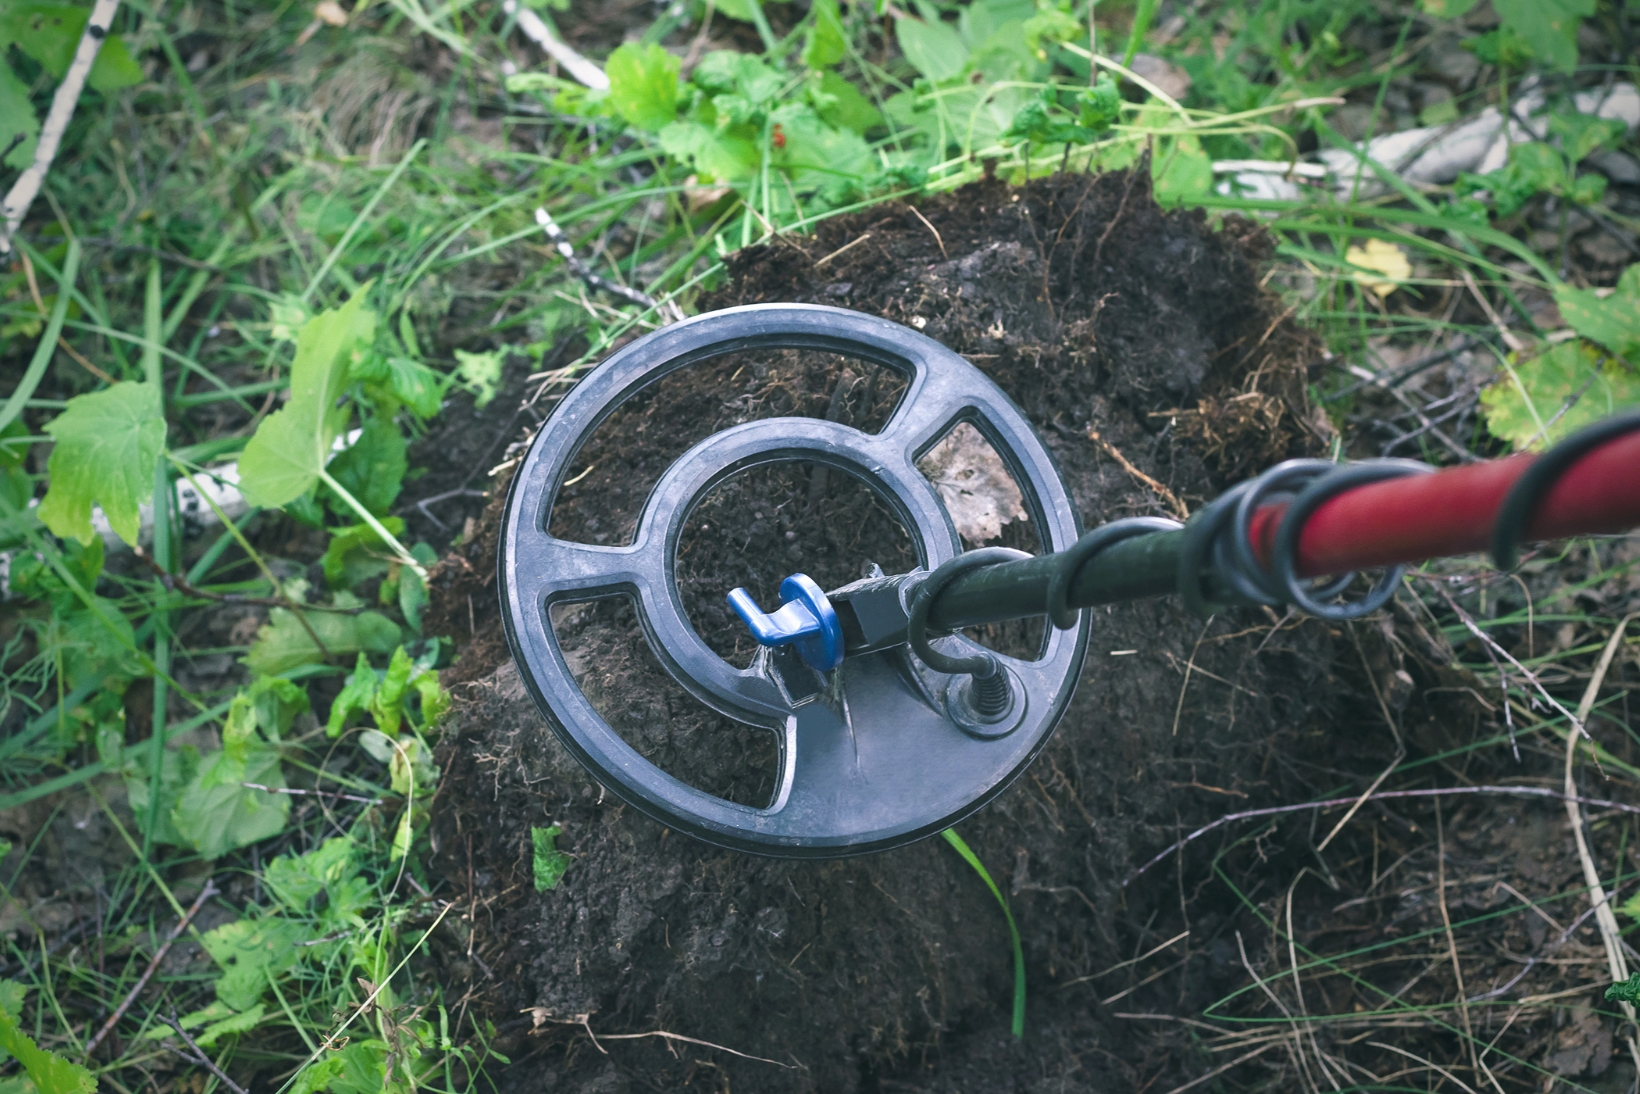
x=1079 y=554
x=990 y=695
x=1523 y=499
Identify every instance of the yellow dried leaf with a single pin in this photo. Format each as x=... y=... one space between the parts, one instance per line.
x=329 y=11
x=1382 y=257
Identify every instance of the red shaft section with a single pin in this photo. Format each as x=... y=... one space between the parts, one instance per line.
x=1452 y=512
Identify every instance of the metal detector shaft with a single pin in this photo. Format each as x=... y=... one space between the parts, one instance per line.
x=1402 y=520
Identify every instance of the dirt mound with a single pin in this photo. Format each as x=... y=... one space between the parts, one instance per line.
x=1124 y=331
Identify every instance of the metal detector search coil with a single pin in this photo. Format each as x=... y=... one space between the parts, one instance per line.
x=869 y=755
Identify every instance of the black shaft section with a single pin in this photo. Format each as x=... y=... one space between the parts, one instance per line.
x=1132 y=569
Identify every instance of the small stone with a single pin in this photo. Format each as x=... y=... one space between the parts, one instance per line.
x=1601 y=248
x=1620 y=167
x=1169 y=79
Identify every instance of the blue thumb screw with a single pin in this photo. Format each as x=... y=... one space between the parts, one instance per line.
x=805 y=619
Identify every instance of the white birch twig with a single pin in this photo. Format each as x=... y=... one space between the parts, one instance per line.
x=669 y=310
x=583 y=70
x=23 y=191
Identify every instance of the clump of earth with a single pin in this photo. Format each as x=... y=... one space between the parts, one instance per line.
x=1121 y=329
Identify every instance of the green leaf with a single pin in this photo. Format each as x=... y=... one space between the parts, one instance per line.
x=827 y=41
x=1582 y=135
x=480 y=373
x=277 y=701
x=235 y=1023
x=349 y=558
x=934 y=48
x=215 y=813
x=840 y=104
x=412 y=590
x=1549 y=25
x=292 y=445
x=1614 y=321
x=354 y=697
x=358 y=1068
x=643 y=84
x=1626 y=992
x=18 y=112
x=1538 y=166
x=1569 y=371
x=48 y=1072
x=1182 y=171
x=387 y=706
x=107 y=445
x=114 y=67
x=550 y=863
x=283 y=644
x=250 y=951
x=372 y=468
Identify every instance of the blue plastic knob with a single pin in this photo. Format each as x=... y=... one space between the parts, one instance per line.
x=805 y=619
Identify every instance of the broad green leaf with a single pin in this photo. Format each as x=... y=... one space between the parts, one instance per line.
x=354 y=697
x=933 y=48
x=356 y=553
x=549 y=862
x=1182 y=171
x=1549 y=25
x=1582 y=135
x=114 y=67
x=1613 y=321
x=18 y=112
x=107 y=445
x=729 y=159
x=177 y=768
x=412 y=590
x=643 y=84
x=95 y=646
x=216 y=813
x=359 y=1068
x=1571 y=370
x=249 y=951
x=480 y=373
x=744 y=10
x=283 y=644
x=48 y=1072
x=827 y=41
x=435 y=701
x=296 y=879
x=1538 y=166
x=292 y=445
x=840 y=104
x=372 y=468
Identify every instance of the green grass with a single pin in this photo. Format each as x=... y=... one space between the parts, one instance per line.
x=258 y=173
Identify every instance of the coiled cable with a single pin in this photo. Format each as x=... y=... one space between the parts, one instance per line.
x=1218 y=540
x=1079 y=554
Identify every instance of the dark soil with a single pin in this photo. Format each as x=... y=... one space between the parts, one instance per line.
x=1099 y=313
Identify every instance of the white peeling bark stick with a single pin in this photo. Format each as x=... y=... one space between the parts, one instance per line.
x=23 y=191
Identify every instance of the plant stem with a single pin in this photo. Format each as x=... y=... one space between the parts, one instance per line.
x=375 y=525
x=48 y=343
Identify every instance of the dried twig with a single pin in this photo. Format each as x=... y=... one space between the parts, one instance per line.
x=23 y=191
x=1169 y=498
x=1610 y=933
x=584 y=71
x=195 y=1054
x=205 y=894
x=540 y=1017
x=669 y=310
x=336 y=795
x=1434 y=792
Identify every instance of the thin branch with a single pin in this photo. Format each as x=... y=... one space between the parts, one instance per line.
x=584 y=71
x=1276 y=810
x=197 y=1055
x=23 y=191
x=205 y=894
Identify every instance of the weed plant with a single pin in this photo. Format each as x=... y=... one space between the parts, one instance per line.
x=282 y=242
